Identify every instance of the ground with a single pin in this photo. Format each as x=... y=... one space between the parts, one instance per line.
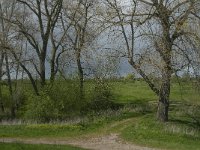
x=106 y=142
x=133 y=127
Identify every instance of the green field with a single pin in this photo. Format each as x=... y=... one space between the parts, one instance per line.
x=139 y=91
x=134 y=122
x=19 y=146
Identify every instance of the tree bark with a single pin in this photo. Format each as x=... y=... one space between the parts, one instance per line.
x=1 y=100
x=1 y=72
x=52 y=77
x=13 y=103
x=53 y=58
x=42 y=72
x=80 y=74
x=163 y=104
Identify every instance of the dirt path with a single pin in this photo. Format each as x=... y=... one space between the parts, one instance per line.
x=106 y=142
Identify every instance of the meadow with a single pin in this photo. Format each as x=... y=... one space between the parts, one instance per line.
x=134 y=120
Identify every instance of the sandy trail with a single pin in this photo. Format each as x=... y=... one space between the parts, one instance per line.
x=105 y=142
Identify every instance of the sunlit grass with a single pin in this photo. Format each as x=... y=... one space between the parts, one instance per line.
x=174 y=135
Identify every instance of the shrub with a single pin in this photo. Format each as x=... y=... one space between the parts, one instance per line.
x=129 y=77
x=58 y=102
x=101 y=97
x=194 y=113
x=67 y=98
x=41 y=108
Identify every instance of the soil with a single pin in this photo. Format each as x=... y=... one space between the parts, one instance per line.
x=105 y=142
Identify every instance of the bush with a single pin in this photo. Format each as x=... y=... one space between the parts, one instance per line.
x=129 y=77
x=101 y=97
x=41 y=108
x=67 y=98
x=58 y=102
x=194 y=113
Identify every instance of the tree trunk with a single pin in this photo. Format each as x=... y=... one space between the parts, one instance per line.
x=80 y=74
x=1 y=70
x=163 y=104
x=52 y=77
x=33 y=83
x=13 y=103
x=52 y=65
x=1 y=100
x=42 y=72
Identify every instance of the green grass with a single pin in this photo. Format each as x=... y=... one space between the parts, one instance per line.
x=180 y=133
x=132 y=92
x=139 y=92
x=95 y=124
x=185 y=92
x=19 y=146
x=174 y=135
x=51 y=130
x=42 y=130
x=137 y=124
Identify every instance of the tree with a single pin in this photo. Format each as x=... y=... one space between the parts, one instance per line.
x=158 y=25
x=43 y=15
x=6 y=10
x=79 y=16
x=13 y=43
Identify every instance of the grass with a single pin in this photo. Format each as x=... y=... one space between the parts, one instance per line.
x=132 y=92
x=94 y=124
x=53 y=130
x=19 y=146
x=42 y=130
x=185 y=92
x=139 y=92
x=135 y=123
x=174 y=135
x=180 y=133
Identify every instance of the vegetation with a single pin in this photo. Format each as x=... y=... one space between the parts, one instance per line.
x=42 y=40
x=132 y=118
x=18 y=146
x=177 y=134
x=61 y=64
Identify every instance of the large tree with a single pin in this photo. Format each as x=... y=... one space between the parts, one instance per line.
x=154 y=34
